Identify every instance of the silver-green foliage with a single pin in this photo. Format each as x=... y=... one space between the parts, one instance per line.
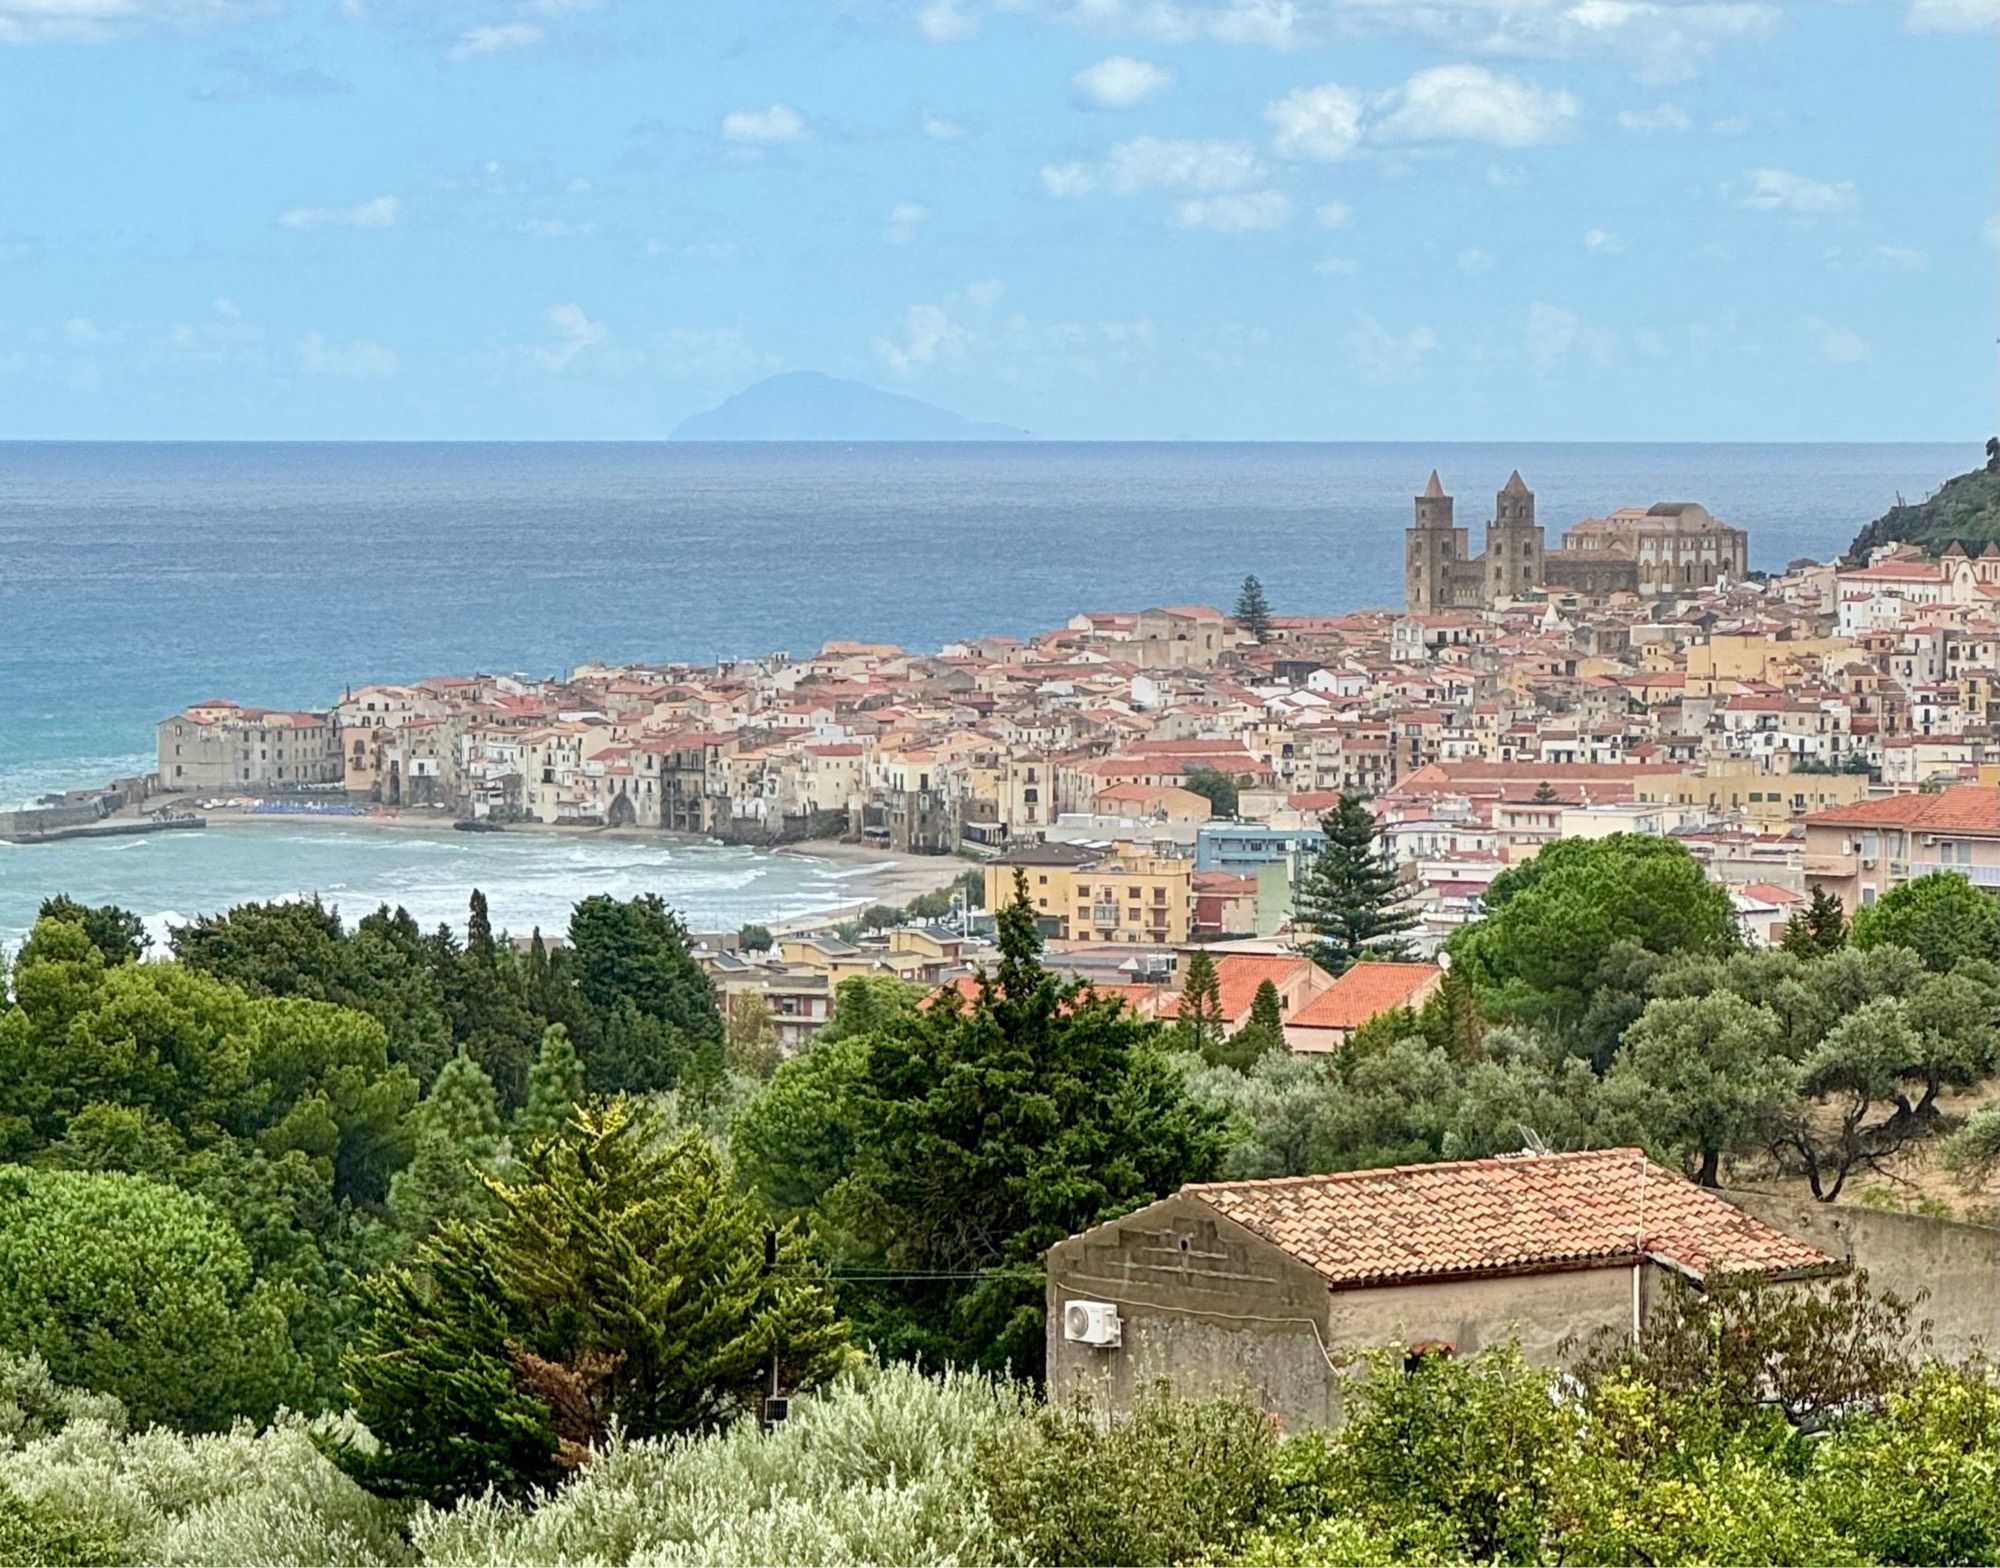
x=872 y=1471
x=238 y=1497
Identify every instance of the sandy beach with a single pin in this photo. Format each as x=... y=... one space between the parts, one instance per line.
x=880 y=876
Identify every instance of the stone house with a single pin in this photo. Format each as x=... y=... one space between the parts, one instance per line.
x=1271 y=1289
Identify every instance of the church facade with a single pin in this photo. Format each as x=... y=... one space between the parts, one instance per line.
x=1671 y=547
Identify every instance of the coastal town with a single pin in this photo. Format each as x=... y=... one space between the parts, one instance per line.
x=1160 y=774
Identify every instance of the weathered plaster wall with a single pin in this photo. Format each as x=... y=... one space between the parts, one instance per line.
x=1958 y=1265
x=1208 y=1308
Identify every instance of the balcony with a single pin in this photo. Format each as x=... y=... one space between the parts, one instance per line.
x=1979 y=876
x=1833 y=867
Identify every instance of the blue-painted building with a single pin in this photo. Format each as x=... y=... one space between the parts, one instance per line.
x=1244 y=846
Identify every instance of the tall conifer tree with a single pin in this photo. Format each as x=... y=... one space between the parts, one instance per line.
x=1349 y=904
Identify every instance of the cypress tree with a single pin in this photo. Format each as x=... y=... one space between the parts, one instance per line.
x=1349 y=904
x=622 y=1279
x=479 y=931
x=1262 y=1032
x=1199 y=1021
x=1818 y=929
x=1253 y=610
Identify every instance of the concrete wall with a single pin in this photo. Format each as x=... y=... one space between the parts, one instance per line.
x=1541 y=1311
x=1959 y=1265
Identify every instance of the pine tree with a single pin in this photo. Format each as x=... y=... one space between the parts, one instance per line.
x=555 y=1089
x=1818 y=929
x=1545 y=794
x=1262 y=1032
x=622 y=1279
x=1199 y=1022
x=458 y=1139
x=1253 y=610
x=987 y=1132
x=1350 y=904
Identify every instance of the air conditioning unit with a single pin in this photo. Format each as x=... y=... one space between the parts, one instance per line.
x=1092 y=1323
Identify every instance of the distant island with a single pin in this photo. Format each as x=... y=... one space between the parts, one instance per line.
x=1966 y=508
x=803 y=405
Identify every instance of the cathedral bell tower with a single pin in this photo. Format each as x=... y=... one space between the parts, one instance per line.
x=1433 y=549
x=1513 y=543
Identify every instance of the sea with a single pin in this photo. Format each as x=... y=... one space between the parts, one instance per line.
x=136 y=578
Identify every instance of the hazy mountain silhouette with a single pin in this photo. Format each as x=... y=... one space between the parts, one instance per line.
x=803 y=405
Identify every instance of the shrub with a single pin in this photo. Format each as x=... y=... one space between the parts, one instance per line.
x=1174 y=1481
x=874 y=1469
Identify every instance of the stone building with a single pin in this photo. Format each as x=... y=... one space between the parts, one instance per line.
x=222 y=745
x=1671 y=547
x=1270 y=1289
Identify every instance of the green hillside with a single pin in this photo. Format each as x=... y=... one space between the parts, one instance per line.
x=1966 y=508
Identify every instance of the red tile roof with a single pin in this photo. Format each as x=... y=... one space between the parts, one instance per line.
x=1516 y=1214
x=1963 y=808
x=1237 y=977
x=1364 y=992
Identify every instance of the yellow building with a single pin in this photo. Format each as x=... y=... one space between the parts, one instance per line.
x=1731 y=657
x=1745 y=787
x=1083 y=896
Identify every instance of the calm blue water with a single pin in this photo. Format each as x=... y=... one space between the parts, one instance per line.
x=136 y=578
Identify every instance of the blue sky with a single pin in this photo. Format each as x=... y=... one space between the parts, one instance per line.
x=1241 y=219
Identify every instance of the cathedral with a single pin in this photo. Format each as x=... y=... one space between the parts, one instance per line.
x=1671 y=547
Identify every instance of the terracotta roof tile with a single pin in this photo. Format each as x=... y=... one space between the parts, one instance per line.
x=1515 y=1214
x=1365 y=991
x=1970 y=808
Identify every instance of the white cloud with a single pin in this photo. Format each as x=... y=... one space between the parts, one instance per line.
x=1333 y=215
x=361 y=360
x=1119 y=82
x=930 y=335
x=1991 y=230
x=479 y=43
x=985 y=292
x=103 y=21
x=1336 y=267
x=1472 y=261
x=378 y=212
x=1878 y=258
x=1320 y=123
x=1067 y=180
x=1836 y=345
x=1555 y=334
x=1156 y=163
x=940 y=129
x=1731 y=125
x=1602 y=242
x=1952 y=16
x=1663 y=119
x=1468 y=103
x=905 y=218
x=765 y=127
x=1780 y=190
x=1236 y=212
x=947 y=22
x=576 y=335
x=1385 y=357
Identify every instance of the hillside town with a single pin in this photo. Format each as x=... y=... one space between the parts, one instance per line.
x=1160 y=774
